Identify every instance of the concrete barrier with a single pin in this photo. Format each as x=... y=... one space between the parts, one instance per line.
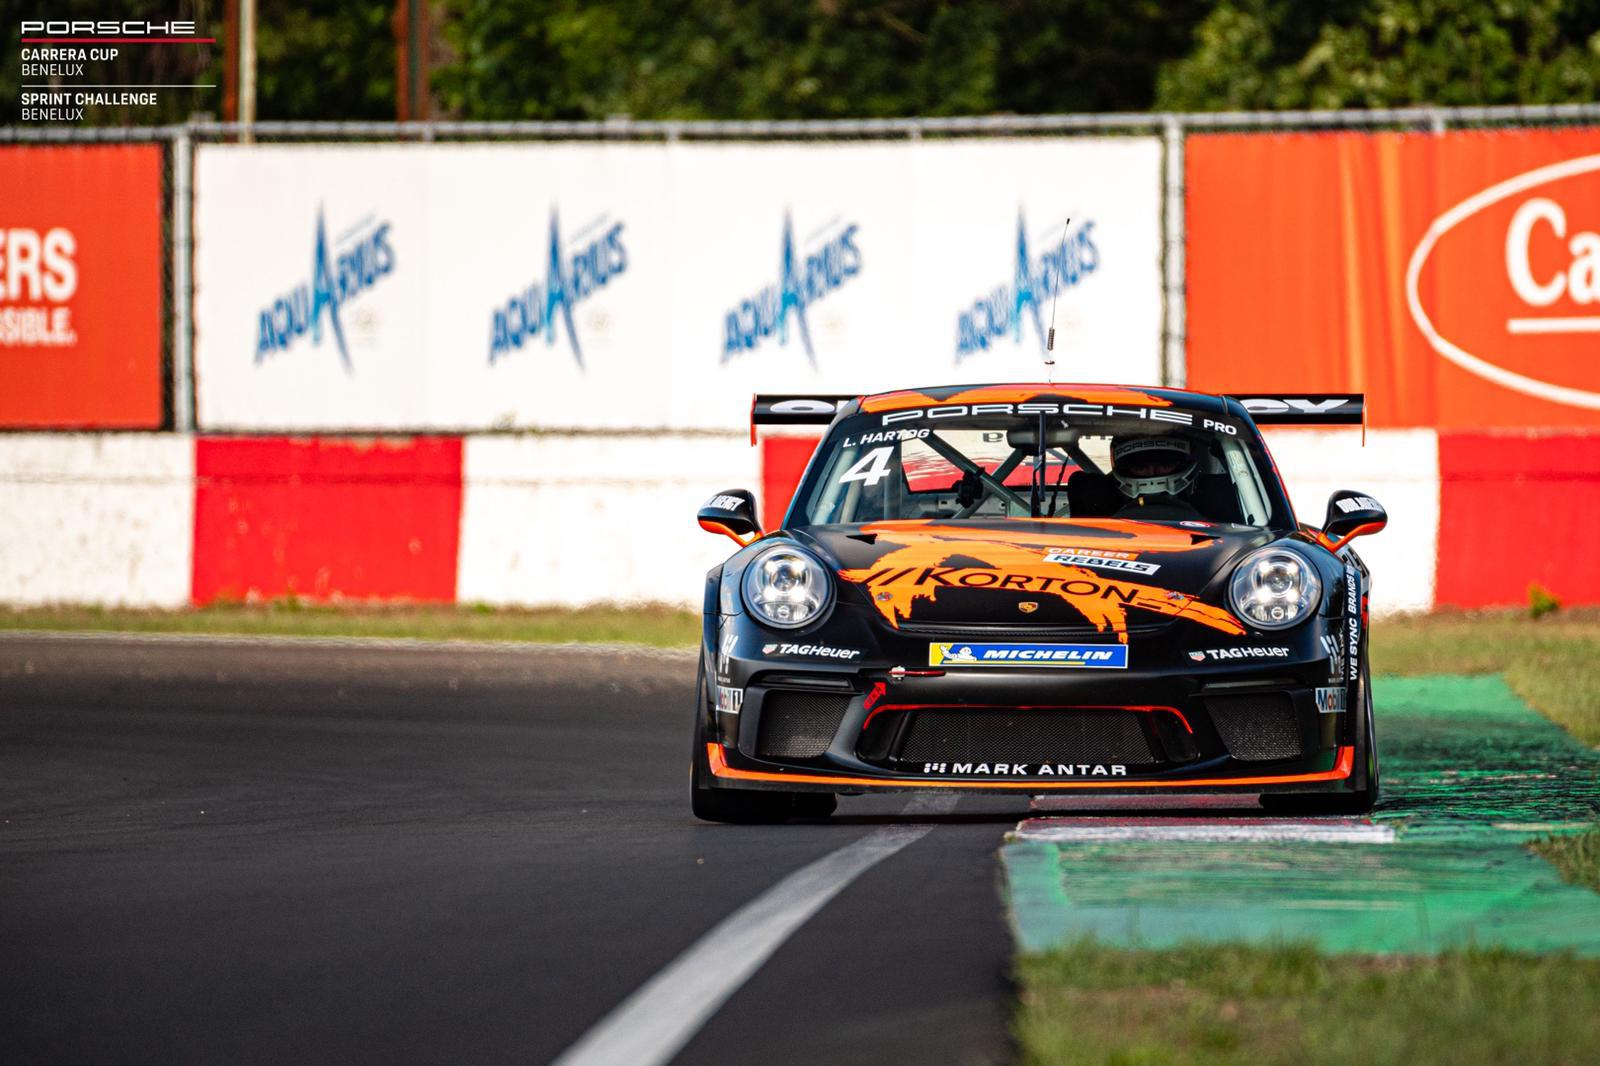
x=579 y=519
x=96 y=518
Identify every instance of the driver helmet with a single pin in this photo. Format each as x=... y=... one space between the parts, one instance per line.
x=1152 y=465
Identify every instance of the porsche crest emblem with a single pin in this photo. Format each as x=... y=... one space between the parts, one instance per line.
x=1027 y=606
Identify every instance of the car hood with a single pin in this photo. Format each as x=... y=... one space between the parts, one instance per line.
x=1103 y=575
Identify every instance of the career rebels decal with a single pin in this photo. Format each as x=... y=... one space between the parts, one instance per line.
x=913 y=573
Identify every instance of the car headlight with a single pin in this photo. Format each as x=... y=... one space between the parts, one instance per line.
x=1274 y=589
x=787 y=587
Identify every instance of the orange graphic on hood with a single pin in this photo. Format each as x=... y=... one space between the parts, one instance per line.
x=903 y=576
x=1112 y=394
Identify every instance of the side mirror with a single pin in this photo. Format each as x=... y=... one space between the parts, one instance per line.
x=733 y=514
x=1352 y=515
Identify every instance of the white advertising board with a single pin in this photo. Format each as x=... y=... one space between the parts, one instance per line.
x=473 y=287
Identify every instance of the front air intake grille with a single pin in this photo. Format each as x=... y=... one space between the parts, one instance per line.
x=799 y=725
x=1257 y=726
x=1015 y=736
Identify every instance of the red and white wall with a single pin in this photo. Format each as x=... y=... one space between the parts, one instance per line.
x=163 y=520
x=167 y=520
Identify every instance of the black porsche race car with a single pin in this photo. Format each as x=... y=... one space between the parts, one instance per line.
x=1037 y=589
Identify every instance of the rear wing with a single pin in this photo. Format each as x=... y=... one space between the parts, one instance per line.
x=794 y=410
x=1305 y=409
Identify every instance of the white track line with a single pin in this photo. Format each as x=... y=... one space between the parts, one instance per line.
x=1209 y=831
x=658 y=1019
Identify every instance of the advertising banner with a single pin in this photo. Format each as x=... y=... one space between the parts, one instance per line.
x=1454 y=278
x=471 y=287
x=309 y=288
x=80 y=287
x=859 y=268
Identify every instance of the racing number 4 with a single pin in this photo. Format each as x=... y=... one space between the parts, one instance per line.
x=870 y=468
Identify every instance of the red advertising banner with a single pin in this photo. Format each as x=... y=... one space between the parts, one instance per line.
x=80 y=287
x=1454 y=278
x=326 y=519
x=1486 y=560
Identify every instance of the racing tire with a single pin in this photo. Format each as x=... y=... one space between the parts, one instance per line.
x=1360 y=802
x=743 y=806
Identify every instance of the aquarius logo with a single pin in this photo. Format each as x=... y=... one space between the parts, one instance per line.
x=1063 y=265
x=569 y=280
x=802 y=281
x=364 y=255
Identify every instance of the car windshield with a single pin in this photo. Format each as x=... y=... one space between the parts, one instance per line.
x=1184 y=467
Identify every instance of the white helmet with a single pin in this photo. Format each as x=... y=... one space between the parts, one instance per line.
x=1150 y=466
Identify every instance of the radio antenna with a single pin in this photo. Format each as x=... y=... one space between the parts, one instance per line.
x=1055 y=298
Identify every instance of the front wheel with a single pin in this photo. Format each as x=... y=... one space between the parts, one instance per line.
x=742 y=806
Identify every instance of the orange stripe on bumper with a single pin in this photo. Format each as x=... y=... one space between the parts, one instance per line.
x=720 y=768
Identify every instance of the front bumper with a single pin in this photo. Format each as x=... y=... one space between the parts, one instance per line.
x=1255 y=726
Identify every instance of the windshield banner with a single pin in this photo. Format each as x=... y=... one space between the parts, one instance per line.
x=464 y=287
x=1453 y=278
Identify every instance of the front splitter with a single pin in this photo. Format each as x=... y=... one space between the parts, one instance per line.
x=1343 y=765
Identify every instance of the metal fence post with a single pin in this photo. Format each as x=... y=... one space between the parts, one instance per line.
x=1174 y=371
x=182 y=311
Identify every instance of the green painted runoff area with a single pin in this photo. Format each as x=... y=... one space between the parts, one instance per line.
x=1470 y=774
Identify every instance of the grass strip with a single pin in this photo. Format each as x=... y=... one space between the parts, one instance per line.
x=1552 y=663
x=651 y=624
x=1229 y=1003
x=1575 y=855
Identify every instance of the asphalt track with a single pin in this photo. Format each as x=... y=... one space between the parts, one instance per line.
x=273 y=851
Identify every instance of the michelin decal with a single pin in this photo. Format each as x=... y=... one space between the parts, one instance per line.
x=1089 y=656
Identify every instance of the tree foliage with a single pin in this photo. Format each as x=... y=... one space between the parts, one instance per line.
x=325 y=59
x=752 y=59
x=1387 y=53
x=571 y=59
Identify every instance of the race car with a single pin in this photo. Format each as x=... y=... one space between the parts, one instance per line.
x=1037 y=589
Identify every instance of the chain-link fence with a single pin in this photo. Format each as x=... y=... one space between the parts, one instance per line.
x=178 y=143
